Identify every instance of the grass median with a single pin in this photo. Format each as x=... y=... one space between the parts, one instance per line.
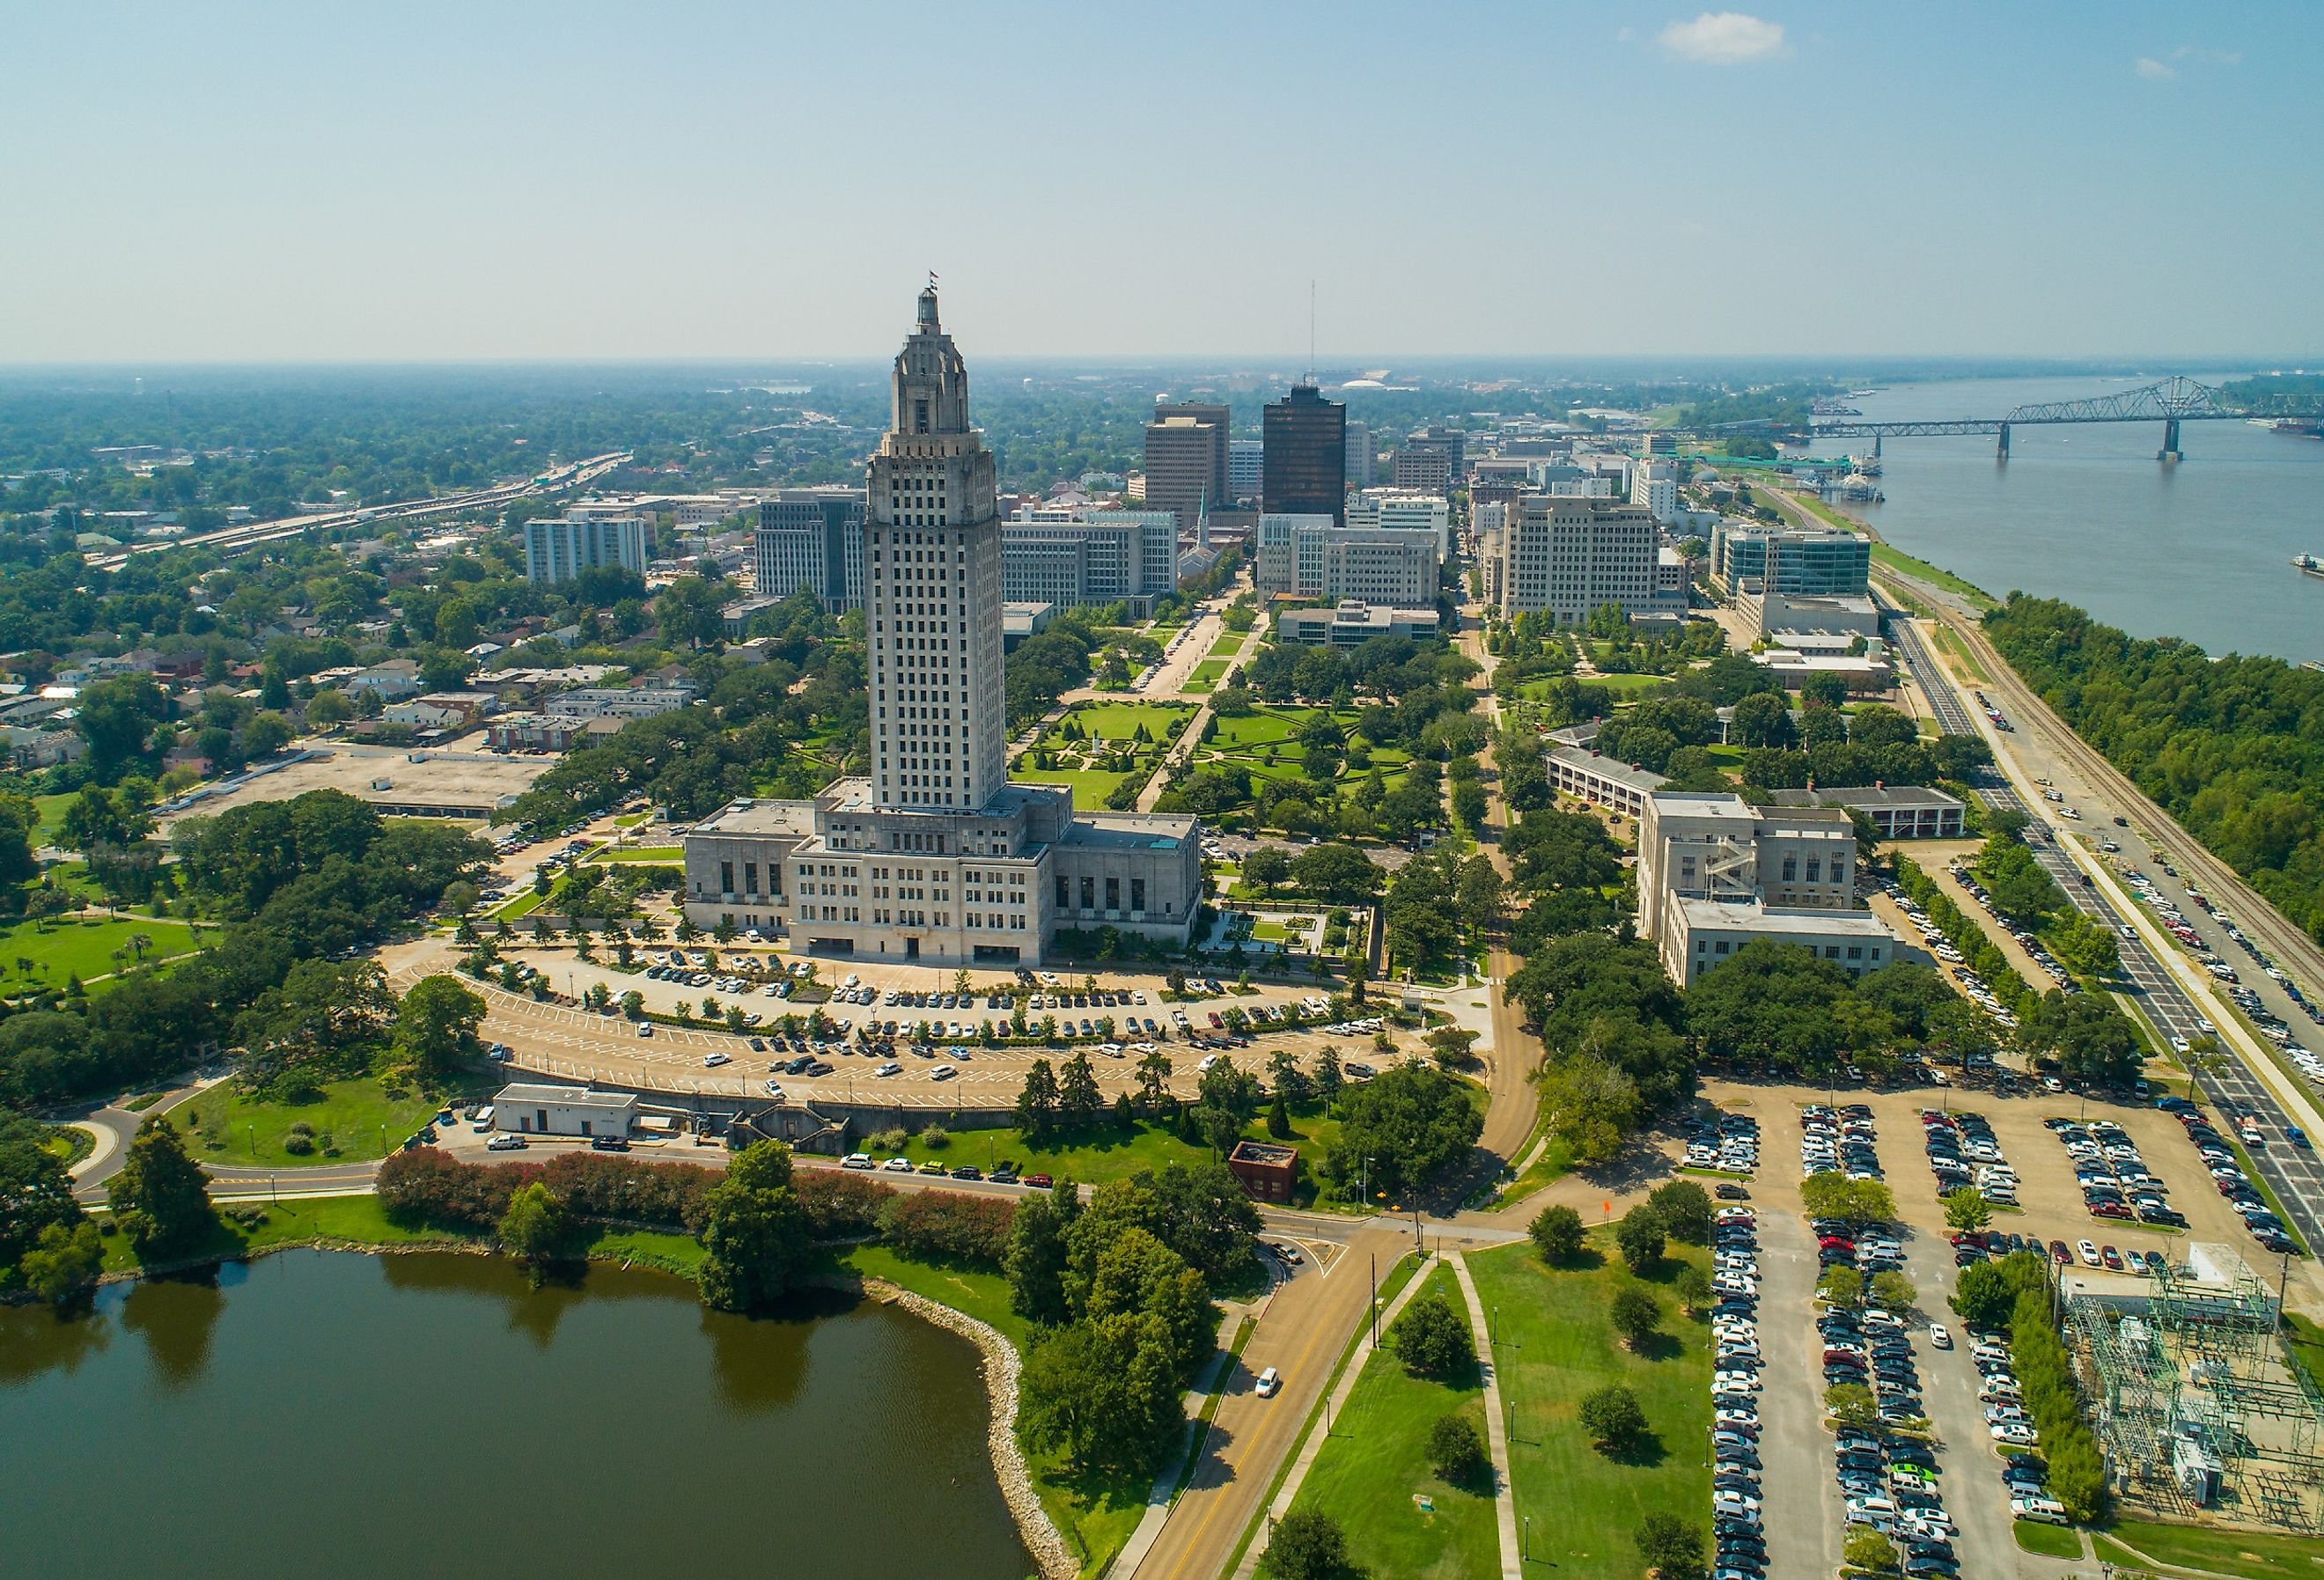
x=1554 y=1345
x=1373 y=1474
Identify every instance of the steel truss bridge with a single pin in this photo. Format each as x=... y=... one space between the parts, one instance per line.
x=2171 y=403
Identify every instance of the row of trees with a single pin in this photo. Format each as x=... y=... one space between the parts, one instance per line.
x=2232 y=748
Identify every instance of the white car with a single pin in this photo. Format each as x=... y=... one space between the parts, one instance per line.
x=1270 y=1382
x=943 y=1072
x=645 y=1027
x=713 y=1060
x=898 y=1166
x=1939 y=1336
x=2017 y=1434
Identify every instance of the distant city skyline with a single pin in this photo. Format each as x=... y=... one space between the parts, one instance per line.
x=258 y=183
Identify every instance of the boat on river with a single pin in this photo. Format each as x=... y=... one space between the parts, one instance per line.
x=2308 y=565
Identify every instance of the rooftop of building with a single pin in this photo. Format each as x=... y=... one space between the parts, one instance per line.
x=528 y=1092
x=1263 y=1153
x=1894 y=797
x=1644 y=781
x=1753 y=916
x=760 y=816
x=1130 y=830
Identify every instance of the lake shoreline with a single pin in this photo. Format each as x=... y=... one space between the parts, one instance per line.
x=1000 y=1364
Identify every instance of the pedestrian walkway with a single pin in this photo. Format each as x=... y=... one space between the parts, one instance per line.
x=1312 y=1444
x=1497 y=1431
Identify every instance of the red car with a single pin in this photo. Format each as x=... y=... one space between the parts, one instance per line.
x=1041 y=1181
x=2060 y=1253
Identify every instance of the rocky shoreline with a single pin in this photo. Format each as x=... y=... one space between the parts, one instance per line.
x=1038 y=1532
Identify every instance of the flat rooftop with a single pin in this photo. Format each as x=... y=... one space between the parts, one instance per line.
x=460 y=782
x=1713 y=915
x=529 y=1092
x=759 y=817
x=1895 y=797
x=1643 y=780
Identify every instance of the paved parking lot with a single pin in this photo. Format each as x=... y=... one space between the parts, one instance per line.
x=561 y=1039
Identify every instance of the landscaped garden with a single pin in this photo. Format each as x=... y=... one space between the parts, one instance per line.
x=48 y=953
x=1106 y=751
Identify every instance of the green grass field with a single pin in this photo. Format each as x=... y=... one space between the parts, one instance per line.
x=1206 y=674
x=67 y=1144
x=1090 y=786
x=2223 y=1552
x=668 y=854
x=1118 y=721
x=1555 y=1345
x=2051 y=1541
x=85 y=949
x=1107 y=1154
x=1630 y=688
x=1230 y=644
x=359 y=1115
x=1372 y=1473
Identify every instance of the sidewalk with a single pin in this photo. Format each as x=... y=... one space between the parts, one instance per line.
x=1312 y=1443
x=1497 y=1433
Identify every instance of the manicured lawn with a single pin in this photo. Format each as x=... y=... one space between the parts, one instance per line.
x=1373 y=1473
x=67 y=1144
x=1556 y=1345
x=2224 y=1552
x=51 y=813
x=69 y=948
x=1264 y=726
x=671 y=855
x=1118 y=721
x=2053 y=1542
x=1206 y=674
x=1092 y=1158
x=1090 y=786
x=359 y=1115
x=1226 y=646
x=1629 y=687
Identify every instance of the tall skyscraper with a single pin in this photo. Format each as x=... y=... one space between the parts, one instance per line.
x=1305 y=466
x=934 y=855
x=1186 y=459
x=933 y=556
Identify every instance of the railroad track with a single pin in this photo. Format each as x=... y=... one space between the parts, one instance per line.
x=2296 y=1176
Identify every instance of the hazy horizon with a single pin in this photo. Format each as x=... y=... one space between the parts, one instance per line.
x=258 y=184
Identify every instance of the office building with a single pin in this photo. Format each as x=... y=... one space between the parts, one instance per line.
x=1791 y=561
x=1352 y=623
x=1902 y=811
x=1313 y=556
x=1360 y=455
x=1076 y=557
x=1566 y=557
x=1186 y=460
x=811 y=538
x=560 y=549
x=1715 y=872
x=1602 y=780
x=1246 y=467
x=1305 y=465
x=1424 y=467
x=933 y=855
x=1405 y=510
x=1655 y=485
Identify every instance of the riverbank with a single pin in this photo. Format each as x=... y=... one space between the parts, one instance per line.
x=958 y=1300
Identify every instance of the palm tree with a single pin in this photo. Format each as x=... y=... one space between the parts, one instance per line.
x=138 y=943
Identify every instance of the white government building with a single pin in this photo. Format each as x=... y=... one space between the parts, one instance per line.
x=934 y=856
x=1715 y=872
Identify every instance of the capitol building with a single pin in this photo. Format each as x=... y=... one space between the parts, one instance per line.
x=934 y=857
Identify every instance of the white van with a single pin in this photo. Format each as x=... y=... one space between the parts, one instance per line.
x=1268 y=1382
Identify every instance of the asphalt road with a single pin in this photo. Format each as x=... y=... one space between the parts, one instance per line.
x=2296 y=1175
x=1308 y=1323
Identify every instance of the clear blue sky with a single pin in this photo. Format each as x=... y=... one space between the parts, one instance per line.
x=215 y=181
